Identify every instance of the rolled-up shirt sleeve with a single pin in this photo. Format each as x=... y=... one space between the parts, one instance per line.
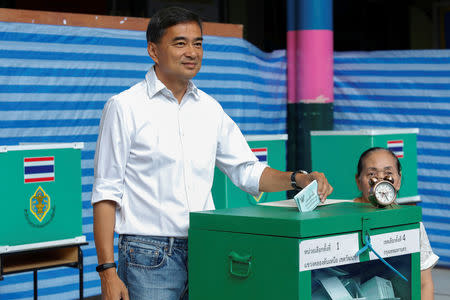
x=113 y=147
x=235 y=158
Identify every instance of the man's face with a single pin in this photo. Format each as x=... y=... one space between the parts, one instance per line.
x=178 y=55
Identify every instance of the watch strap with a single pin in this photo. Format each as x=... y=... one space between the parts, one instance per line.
x=103 y=267
x=293 y=182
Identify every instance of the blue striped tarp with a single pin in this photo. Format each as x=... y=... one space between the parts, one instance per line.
x=405 y=89
x=55 y=80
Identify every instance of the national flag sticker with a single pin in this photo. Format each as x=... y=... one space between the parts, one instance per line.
x=396 y=147
x=39 y=169
x=261 y=154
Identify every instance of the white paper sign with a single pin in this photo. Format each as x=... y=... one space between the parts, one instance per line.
x=395 y=243
x=328 y=251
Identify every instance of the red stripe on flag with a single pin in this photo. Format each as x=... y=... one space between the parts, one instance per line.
x=29 y=180
x=392 y=142
x=29 y=159
x=259 y=149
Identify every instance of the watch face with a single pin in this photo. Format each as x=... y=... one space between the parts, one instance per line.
x=384 y=193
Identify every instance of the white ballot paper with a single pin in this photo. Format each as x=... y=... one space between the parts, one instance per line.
x=307 y=199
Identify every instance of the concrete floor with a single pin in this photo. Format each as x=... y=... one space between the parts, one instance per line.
x=441 y=279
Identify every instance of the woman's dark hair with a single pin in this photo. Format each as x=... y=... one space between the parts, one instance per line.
x=168 y=17
x=373 y=149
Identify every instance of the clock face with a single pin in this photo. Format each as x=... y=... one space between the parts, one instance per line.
x=384 y=193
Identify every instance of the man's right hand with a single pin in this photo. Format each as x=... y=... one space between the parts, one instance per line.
x=112 y=287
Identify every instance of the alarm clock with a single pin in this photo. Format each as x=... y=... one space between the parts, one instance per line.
x=382 y=192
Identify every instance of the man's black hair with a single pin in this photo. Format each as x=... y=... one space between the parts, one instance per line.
x=168 y=17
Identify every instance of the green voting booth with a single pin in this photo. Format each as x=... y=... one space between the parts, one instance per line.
x=41 y=224
x=41 y=195
x=273 y=252
x=336 y=154
x=270 y=149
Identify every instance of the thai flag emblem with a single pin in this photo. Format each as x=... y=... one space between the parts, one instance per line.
x=396 y=147
x=261 y=154
x=39 y=169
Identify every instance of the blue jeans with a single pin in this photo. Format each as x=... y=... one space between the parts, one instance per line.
x=154 y=268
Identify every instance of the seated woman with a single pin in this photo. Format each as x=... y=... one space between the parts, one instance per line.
x=380 y=162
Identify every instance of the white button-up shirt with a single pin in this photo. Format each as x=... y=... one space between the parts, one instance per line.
x=155 y=157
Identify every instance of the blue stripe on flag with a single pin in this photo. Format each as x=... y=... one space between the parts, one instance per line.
x=395 y=149
x=39 y=169
x=262 y=158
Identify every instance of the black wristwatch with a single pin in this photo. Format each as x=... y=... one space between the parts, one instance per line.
x=103 y=267
x=293 y=182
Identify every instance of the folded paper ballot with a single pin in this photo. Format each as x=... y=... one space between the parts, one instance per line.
x=378 y=288
x=308 y=198
x=333 y=288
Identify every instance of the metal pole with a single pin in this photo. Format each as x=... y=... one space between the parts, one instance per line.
x=80 y=270
x=311 y=73
x=35 y=288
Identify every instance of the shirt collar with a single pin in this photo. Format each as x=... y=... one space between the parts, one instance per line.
x=155 y=86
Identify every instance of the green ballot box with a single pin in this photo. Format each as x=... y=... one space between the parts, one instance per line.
x=41 y=195
x=273 y=252
x=270 y=149
x=336 y=154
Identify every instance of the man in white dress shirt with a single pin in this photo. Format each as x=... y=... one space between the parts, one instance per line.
x=158 y=144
